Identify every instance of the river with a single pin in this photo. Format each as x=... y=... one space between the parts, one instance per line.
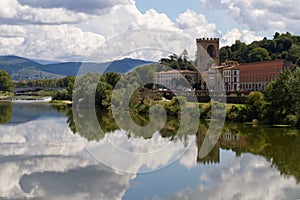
x=43 y=155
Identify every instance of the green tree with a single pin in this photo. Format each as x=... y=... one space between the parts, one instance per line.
x=181 y=62
x=258 y=54
x=256 y=105
x=103 y=95
x=111 y=78
x=283 y=96
x=6 y=84
x=284 y=43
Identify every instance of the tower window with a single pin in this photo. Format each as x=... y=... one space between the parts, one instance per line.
x=211 y=50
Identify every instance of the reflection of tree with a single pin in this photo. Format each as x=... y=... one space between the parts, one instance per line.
x=92 y=131
x=283 y=150
x=280 y=146
x=5 y=112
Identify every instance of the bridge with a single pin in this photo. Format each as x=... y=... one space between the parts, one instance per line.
x=22 y=91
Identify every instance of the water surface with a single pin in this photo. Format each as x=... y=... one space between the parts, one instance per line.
x=43 y=155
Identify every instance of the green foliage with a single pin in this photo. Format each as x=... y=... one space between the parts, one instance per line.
x=61 y=95
x=173 y=107
x=256 y=105
x=181 y=62
x=46 y=93
x=258 y=54
x=103 y=95
x=205 y=110
x=283 y=95
x=111 y=78
x=52 y=83
x=6 y=83
x=237 y=113
x=282 y=46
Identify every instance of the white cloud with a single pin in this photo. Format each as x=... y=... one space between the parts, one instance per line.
x=245 y=36
x=90 y=6
x=50 y=42
x=196 y=25
x=265 y=16
x=11 y=31
x=64 y=31
x=123 y=18
x=11 y=12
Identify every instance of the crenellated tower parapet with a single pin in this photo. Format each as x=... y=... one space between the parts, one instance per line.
x=211 y=47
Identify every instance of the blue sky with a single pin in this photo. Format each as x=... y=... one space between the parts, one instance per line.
x=175 y=7
x=171 y=7
x=69 y=30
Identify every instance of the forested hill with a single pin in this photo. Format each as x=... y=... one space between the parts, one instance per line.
x=24 y=69
x=282 y=46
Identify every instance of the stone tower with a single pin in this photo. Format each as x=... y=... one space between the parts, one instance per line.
x=211 y=46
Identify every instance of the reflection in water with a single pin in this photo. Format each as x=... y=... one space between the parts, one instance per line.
x=41 y=157
x=5 y=112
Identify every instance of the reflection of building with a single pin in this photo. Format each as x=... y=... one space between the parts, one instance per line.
x=233 y=141
x=228 y=140
x=166 y=78
x=213 y=156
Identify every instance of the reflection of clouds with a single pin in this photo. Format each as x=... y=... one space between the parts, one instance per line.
x=189 y=158
x=45 y=136
x=14 y=167
x=248 y=177
x=44 y=158
x=130 y=154
x=89 y=182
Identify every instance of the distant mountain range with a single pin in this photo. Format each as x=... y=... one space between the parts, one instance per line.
x=24 y=69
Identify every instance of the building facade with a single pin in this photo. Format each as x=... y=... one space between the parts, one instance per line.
x=231 y=78
x=167 y=78
x=247 y=76
x=255 y=76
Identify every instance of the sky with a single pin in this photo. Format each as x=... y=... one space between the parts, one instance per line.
x=71 y=30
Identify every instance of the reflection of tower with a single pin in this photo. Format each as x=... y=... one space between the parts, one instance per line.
x=211 y=45
x=213 y=156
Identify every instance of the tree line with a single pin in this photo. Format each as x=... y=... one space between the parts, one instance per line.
x=281 y=46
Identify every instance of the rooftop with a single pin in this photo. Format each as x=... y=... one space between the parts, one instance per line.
x=177 y=72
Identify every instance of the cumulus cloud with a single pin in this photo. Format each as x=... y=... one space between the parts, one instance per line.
x=49 y=42
x=196 y=25
x=266 y=15
x=90 y=6
x=144 y=44
x=122 y=18
x=11 y=31
x=245 y=36
x=67 y=31
x=11 y=12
